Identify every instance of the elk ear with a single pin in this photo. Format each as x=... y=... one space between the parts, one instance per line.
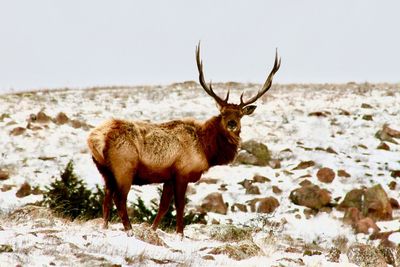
x=248 y=110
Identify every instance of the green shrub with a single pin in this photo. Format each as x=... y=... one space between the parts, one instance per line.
x=70 y=197
x=141 y=213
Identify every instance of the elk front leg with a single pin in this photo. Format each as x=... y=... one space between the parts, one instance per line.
x=180 y=191
x=165 y=201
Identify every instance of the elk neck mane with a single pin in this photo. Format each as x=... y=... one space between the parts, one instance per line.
x=219 y=146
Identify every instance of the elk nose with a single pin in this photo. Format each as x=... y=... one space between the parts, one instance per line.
x=232 y=124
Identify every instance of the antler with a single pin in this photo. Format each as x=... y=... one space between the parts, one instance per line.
x=266 y=85
x=208 y=88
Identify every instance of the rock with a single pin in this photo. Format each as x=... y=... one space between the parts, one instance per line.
x=237 y=251
x=395 y=173
x=276 y=190
x=319 y=113
x=352 y=199
x=258 y=150
x=365 y=105
x=383 y=146
x=238 y=206
x=305 y=182
x=331 y=150
x=392 y=185
x=387 y=134
x=17 y=131
x=310 y=196
x=263 y=205
x=343 y=173
x=352 y=216
x=325 y=175
x=24 y=190
x=148 y=235
x=4 y=175
x=5 y=248
x=246 y=183
x=260 y=179
x=42 y=117
x=365 y=256
x=223 y=187
x=394 y=203
x=390 y=132
x=208 y=257
x=304 y=165
x=275 y=163
x=6 y=187
x=366 y=226
x=246 y=158
x=207 y=181
x=214 y=203
x=253 y=190
x=377 y=204
x=76 y=124
x=367 y=117
x=390 y=255
x=61 y=118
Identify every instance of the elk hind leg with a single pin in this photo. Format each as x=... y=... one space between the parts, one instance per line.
x=166 y=197
x=110 y=185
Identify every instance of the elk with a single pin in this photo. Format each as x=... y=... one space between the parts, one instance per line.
x=174 y=153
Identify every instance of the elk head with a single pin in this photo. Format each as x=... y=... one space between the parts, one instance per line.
x=230 y=113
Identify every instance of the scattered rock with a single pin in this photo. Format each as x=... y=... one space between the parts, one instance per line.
x=17 y=131
x=387 y=134
x=24 y=190
x=61 y=118
x=365 y=256
x=4 y=175
x=394 y=203
x=392 y=185
x=305 y=182
x=391 y=132
x=319 y=113
x=325 y=175
x=367 y=117
x=237 y=251
x=276 y=190
x=365 y=105
x=253 y=190
x=352 y=216
x=246 y=183
x=263 y=205
x=42 y=117
x=260 y=179
x=238 y=206
x=214 y=203
x=383 y=146
x=311 y=196
x=275 y=163
x=6 y=187
x=304 y=165
x=208 y=257
x=366 y=226
x=343 y=173
x=377 y=204
x=259 y=151
x=352 y=199
x=395 y=173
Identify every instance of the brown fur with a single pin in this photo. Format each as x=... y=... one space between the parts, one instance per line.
x=174 y=153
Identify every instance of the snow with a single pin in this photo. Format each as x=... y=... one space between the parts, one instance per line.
x=281 y=121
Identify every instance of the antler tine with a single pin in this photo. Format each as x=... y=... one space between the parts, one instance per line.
x=266 y=85
x=203 y=83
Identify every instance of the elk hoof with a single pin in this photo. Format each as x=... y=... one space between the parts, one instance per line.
x=129 y=232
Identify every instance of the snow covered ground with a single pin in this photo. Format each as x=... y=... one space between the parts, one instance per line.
x=282 y=121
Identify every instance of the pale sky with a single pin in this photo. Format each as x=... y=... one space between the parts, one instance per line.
x=66 y=43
